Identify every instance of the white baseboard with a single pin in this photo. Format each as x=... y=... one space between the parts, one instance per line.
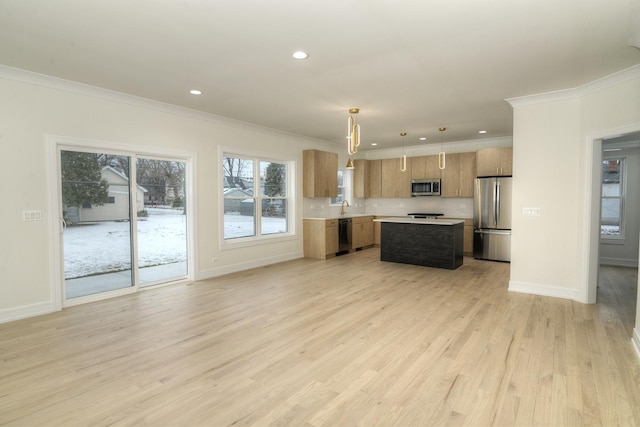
x=228 y=269
x=620 y=262
x=635 y=340
x=546 y=290
x=11 y=314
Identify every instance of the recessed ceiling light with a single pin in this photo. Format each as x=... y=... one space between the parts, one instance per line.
x=482 y=131
x=374 y=143
x=300 y=55
x=195 y=92
x=423 y=138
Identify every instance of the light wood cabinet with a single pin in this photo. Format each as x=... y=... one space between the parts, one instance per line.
x=377 y=228
x=467 y=243
x=375 y=178
x=361 y=232
x=423 y=167
x=361 y=178
x=395 y=183
x=320 y=238
x=458 y=175
x=495 y=161
x=320 y=174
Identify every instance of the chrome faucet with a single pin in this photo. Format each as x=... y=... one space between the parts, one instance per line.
x=342 y=208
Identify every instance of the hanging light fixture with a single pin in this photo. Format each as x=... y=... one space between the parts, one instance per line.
x=403 y=158
x=353 y=136
x=350 y=164
x=441 y=155
x=353 y=132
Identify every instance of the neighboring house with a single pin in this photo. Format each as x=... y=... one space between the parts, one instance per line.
x=242 y=201
x=117 y=206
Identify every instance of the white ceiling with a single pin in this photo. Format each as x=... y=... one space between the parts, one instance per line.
x=412 y=65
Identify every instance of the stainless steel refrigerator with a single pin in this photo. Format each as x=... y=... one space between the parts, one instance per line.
x=492 y=218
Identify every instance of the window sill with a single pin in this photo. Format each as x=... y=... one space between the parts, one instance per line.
x=245 y=242
x=612 y=240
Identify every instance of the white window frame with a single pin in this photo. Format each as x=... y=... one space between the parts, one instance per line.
x=347 y=187
x=54 y=144
x=258 y=238
x=619 y=238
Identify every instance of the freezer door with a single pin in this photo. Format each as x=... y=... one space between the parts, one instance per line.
x=503 y=203
x=492 y=245
x=484 y=203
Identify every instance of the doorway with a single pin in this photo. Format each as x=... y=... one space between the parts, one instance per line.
x=123 y=221
x=615 y=203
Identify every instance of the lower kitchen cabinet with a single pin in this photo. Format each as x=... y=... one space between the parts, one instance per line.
x=320 y=238
x=377 y=231
x=361 y=232
x=467 y=243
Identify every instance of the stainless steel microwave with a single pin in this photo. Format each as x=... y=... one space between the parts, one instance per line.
x=425 y=187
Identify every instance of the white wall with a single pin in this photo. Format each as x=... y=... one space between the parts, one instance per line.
x=553 y=145
x=33 y=106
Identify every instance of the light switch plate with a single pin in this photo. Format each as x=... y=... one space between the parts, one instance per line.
x=31 y=215
x=530 y=211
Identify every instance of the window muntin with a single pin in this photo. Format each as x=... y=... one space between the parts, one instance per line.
x=612 y=201
x=256 y=197
x=342 y=188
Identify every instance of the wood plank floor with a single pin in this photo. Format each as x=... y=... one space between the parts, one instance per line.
x=349 y=341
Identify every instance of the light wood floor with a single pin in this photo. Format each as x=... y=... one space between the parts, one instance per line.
x=349 y=341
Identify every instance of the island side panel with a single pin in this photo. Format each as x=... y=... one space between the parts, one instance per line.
x=428 y=245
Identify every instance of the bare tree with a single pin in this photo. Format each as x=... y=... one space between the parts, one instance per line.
x=234 y=169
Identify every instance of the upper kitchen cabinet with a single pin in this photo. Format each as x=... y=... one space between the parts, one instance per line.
x=375 y=178
x=495 y=161
x=320 y=174
x=458 y=175
x=395 y=183
x=361 y=179
x=424 y=167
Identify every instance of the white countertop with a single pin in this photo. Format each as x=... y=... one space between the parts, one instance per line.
x=407 y=220
x=346 y=215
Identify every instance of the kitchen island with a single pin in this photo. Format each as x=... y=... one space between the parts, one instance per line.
x=427 y=242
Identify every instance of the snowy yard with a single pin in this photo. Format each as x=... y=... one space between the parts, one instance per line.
x=104 y=247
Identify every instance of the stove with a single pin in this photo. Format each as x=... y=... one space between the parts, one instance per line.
x=425 y=215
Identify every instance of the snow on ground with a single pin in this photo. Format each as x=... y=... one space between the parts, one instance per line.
x=104 y=247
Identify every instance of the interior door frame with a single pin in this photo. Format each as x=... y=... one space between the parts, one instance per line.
x=54 y=144
x=592 y=189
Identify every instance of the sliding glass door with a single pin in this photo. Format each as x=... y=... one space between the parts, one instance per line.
x=96 y=210
x=124 y=222
x=162 y=225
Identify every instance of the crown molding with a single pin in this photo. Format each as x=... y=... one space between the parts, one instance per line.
x=70 y=86
x=580 y=91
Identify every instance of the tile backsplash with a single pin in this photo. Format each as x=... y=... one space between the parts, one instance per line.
x=450 y=207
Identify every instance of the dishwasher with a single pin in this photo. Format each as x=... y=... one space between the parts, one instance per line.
x=344 y=234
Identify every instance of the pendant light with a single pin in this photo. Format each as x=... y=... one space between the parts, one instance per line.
x=403 y=158
x=350 y=164
x=353 y=136
x=441 y=154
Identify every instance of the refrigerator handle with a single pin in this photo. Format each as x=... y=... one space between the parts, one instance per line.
x=497 y=207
